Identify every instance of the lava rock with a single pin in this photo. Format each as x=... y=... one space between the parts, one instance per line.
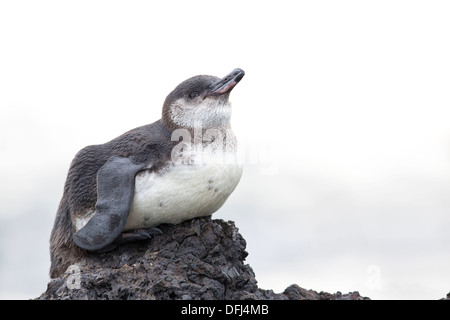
x=197 y=259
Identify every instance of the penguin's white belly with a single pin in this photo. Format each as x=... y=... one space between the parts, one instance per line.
x=181 y=192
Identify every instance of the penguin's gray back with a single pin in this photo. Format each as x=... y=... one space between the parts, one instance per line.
x=152 y=141
x=140 y=144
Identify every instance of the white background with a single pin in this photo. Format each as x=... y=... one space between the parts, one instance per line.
x=343 y=113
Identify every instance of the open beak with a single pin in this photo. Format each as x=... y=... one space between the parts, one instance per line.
x=227 y=83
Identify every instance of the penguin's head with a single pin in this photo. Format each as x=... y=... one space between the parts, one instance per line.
x=201 y=101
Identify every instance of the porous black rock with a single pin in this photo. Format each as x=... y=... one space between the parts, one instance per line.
x=197 y=259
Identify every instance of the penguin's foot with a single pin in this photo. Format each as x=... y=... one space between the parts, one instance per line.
x=138 y=234
x=131 y=236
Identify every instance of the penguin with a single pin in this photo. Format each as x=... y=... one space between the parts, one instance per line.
x=184 y=165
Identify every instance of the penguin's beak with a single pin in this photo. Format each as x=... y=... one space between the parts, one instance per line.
x=227 y=83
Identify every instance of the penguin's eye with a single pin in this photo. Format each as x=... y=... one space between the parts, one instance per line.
x=193 y=95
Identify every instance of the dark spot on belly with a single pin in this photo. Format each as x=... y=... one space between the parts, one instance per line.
x=210 y=184
x=161 y=203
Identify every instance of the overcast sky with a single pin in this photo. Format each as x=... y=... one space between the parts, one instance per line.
x=343 y=115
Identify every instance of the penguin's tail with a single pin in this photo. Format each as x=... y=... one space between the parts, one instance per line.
x=63 y=251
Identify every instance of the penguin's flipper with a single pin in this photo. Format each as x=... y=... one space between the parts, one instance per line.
x=115 y=188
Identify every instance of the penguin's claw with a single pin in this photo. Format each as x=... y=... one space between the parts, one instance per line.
x=136 y=235
x=151 y=231
x=131 y=236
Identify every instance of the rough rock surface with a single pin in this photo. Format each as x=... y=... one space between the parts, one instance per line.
x=197 y=259
x=447 y=297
